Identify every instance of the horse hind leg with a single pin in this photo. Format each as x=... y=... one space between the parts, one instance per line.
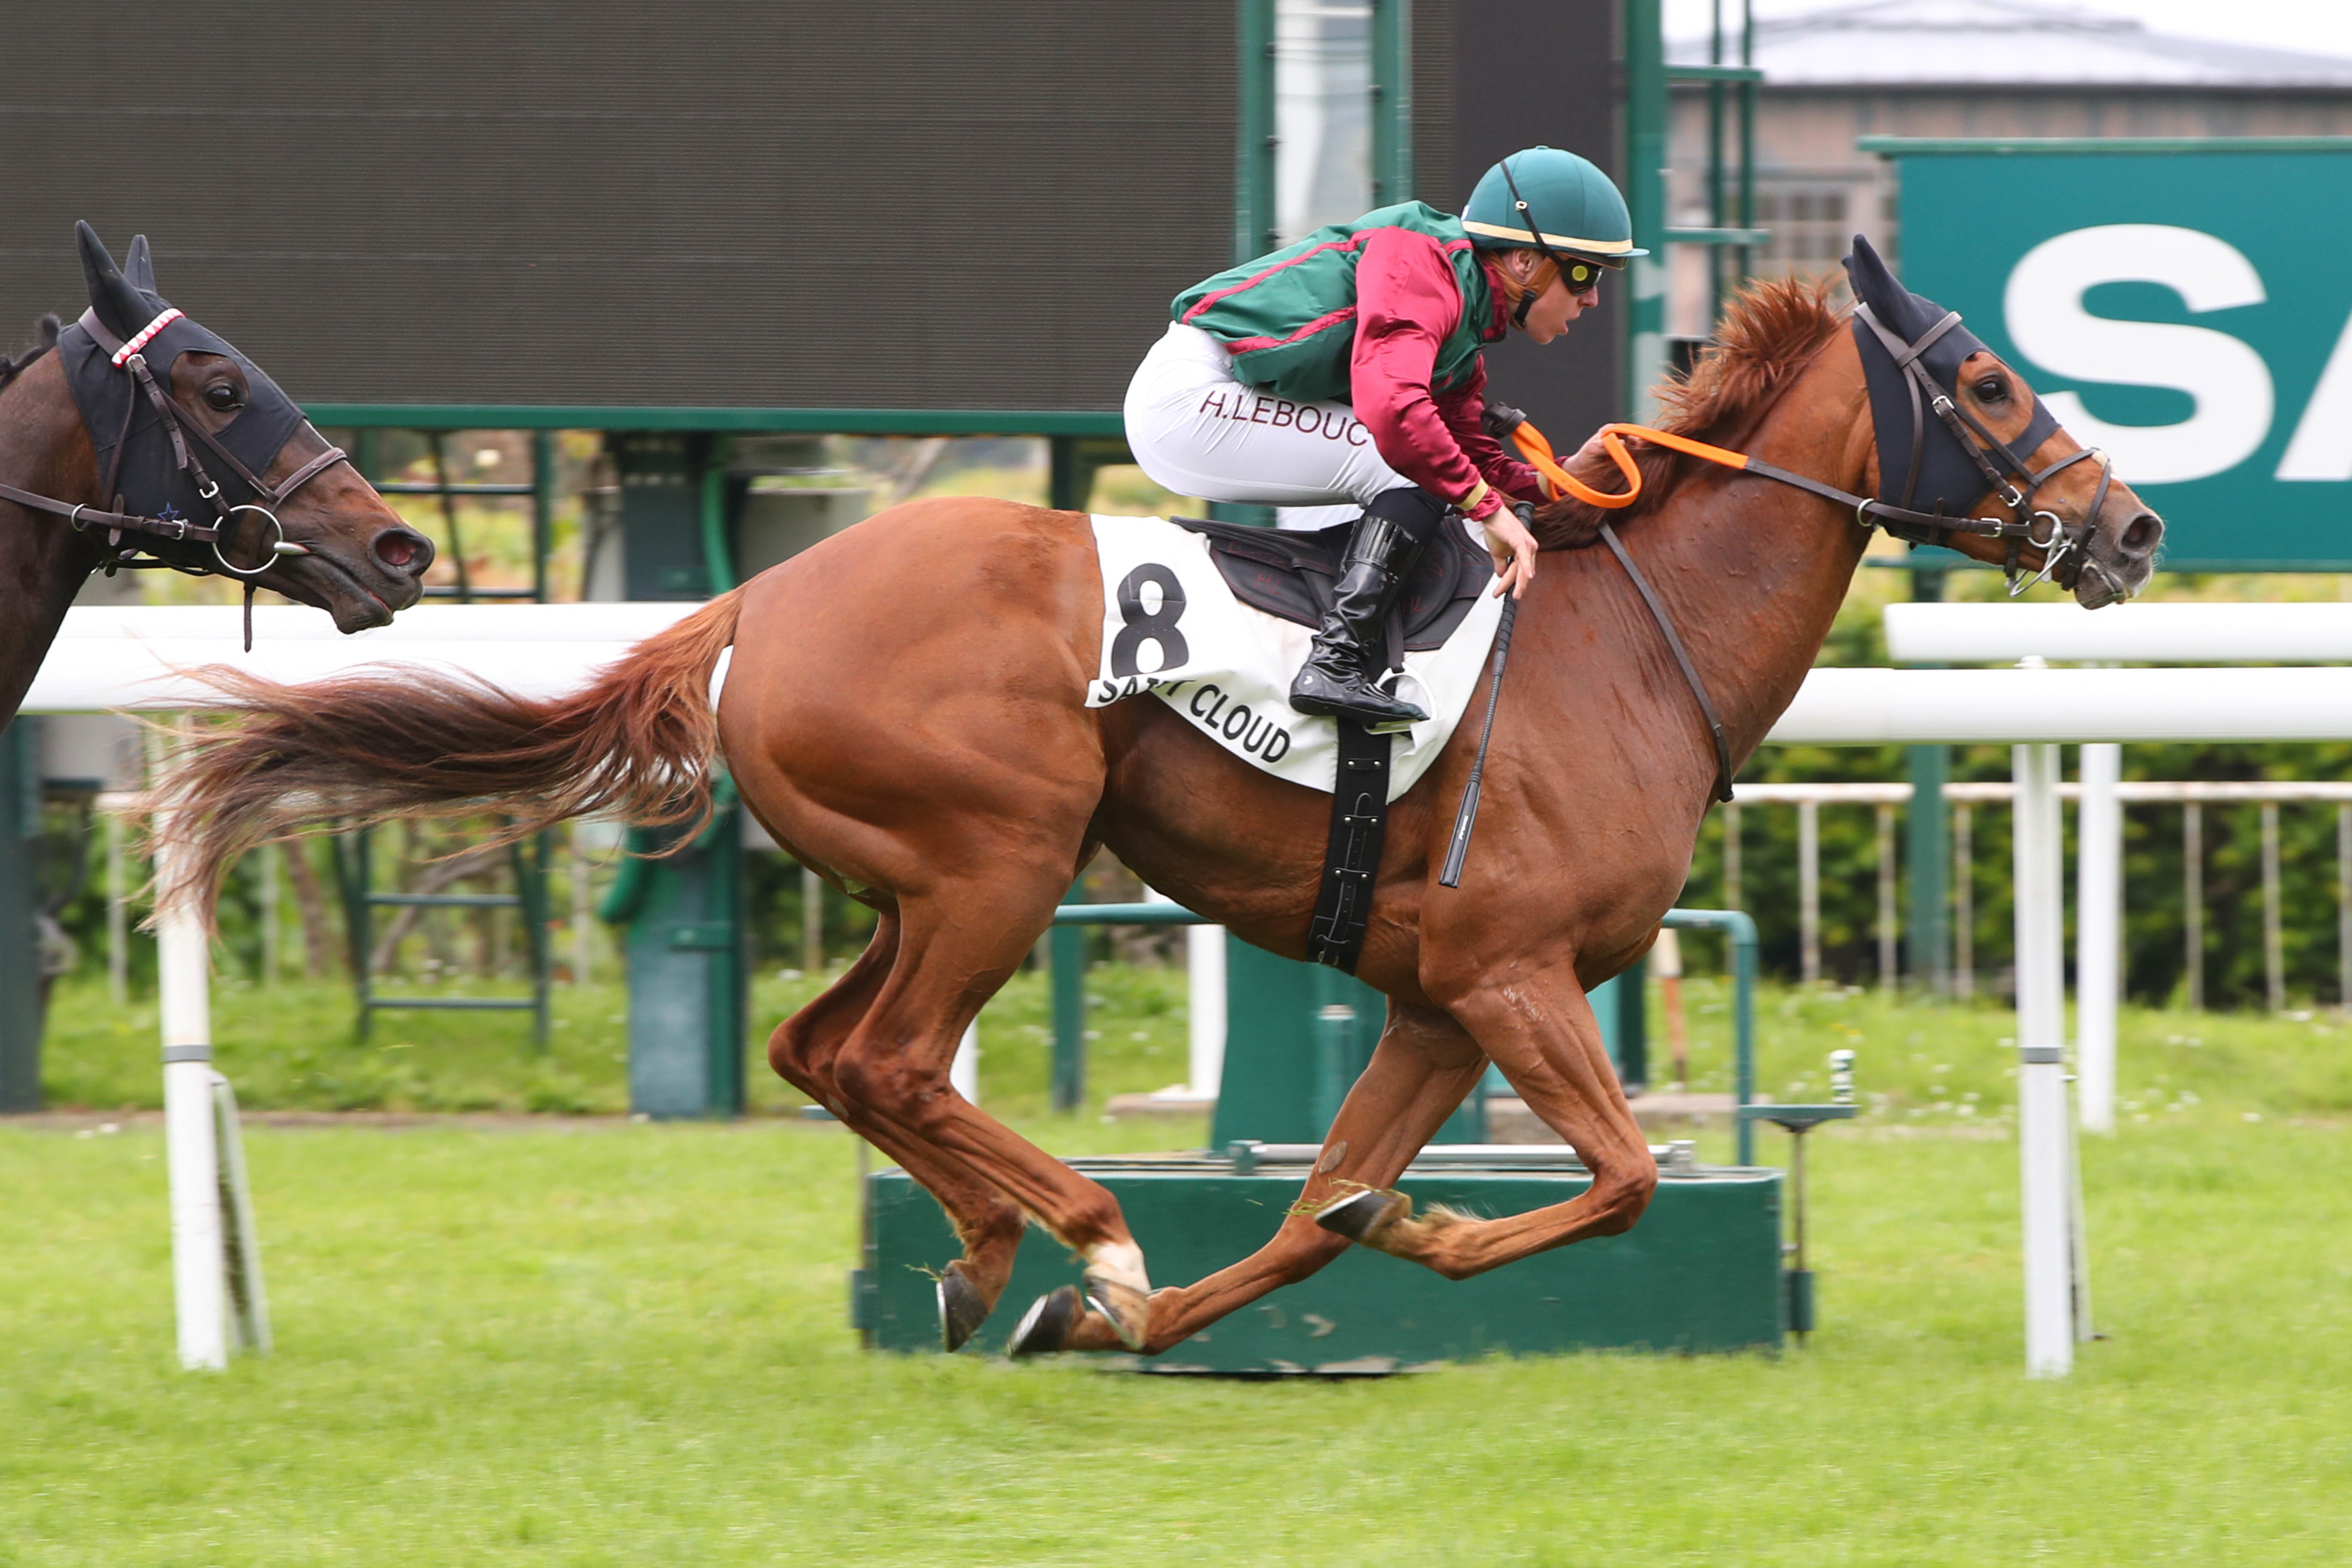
x=989 y=1225
x=957 y=945
x=1541 y=1033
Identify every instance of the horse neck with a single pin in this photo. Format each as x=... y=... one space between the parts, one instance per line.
x=1753 y=571
x=43 y=449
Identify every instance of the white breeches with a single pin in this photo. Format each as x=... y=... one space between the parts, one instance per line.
x=1197 y=431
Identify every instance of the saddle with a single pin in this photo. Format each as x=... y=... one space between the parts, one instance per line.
x=1290 y=576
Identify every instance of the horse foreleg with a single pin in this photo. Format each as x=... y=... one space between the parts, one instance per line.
x=990 y=1226
x=1422 y=1068
x=1541 y=1033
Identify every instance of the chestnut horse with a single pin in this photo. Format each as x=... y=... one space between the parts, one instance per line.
x=905 y=711
x=356 y=559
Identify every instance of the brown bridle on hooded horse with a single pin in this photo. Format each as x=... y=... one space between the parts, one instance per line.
x=135 y=432
x=905 y=711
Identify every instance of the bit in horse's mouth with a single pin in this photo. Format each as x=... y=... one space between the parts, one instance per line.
x=382 y=611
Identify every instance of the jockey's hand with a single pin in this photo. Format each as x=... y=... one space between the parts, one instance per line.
x=1514 y=548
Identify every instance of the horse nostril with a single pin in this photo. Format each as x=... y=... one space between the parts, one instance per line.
x=2140 y=535
x=403 y=550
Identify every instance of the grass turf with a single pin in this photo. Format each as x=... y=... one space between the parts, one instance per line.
x=292 y=1047
x=628 y=1345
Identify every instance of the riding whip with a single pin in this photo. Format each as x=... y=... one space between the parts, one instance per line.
x=1458 y=849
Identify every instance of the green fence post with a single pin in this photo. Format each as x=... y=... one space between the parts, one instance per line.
x=20 y=947
x=1066 y=952
x=542 y=508
x=1646 y=197
x=1927 y=847
x=1254 y=224
x=1391 y=101
x=1633 y=1027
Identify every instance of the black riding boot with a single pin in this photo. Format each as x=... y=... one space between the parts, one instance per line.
x=1350 y=647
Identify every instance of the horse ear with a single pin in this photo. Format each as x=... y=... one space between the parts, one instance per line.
x=139 y=265
x=118 y=304
x=1868 y=273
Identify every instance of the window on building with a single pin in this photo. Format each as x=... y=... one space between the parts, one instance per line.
x=1812 y=228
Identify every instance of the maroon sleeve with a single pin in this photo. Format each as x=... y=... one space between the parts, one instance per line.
x=1462 y=408
x=1407 y=302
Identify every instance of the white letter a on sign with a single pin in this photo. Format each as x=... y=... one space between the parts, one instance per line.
x=2322 y=448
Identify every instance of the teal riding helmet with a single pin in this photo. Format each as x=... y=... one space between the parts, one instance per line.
x=1554 y=202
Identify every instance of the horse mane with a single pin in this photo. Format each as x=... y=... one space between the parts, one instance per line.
x=1771 y=332
x=46 y=330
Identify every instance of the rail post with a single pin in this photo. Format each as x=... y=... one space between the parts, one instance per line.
x=1739 y=931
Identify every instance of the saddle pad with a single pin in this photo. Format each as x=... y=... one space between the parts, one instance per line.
x=1289 y=574
x=1174 y=630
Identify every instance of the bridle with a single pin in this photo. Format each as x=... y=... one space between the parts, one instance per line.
x=2012 y=480
x=125 y=533
x=2008 y=475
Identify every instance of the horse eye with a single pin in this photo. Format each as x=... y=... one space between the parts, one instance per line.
x=222 y=396
x=1993 y=389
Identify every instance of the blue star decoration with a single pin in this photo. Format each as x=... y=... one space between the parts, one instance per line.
x=170 y=513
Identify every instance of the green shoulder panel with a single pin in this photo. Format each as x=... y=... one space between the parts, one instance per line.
x=1289 y=317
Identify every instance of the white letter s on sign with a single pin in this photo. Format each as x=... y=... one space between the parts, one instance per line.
x=2226 y=378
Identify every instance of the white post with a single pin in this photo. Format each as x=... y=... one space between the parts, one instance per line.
x=1809 y=891
x=2042 y=1133
x=183 y=978
x=1963 y=901
x=2098 y=934
x=583 y=911
x=117 y=915
x=963 y=1073
x=1205 y=988
x=270 y=923
x=2273 y=936
x=1887 y=930
x=812 y=922
x=1732 y=892
x=2344 y=907
x=2192 y=901
x=1204 y=964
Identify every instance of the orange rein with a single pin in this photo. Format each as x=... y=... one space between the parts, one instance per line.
x=1539 y=453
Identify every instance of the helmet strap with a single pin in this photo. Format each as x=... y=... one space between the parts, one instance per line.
x=1519 y=204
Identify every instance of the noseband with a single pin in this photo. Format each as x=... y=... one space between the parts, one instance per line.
x=2065 y=553
x=125 y=531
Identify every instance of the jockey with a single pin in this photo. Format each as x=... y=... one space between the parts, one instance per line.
x=1347 y=368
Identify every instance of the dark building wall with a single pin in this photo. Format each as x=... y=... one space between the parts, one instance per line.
x=1498 y=76
x=901 y=203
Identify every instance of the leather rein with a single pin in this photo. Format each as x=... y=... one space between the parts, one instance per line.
x=121 y=525
x=2008 y=477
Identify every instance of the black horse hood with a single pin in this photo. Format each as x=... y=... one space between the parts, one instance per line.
x=117 y=414
x=1949 y=480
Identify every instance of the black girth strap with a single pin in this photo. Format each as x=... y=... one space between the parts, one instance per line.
x=1351 y=857
x=1682 y=658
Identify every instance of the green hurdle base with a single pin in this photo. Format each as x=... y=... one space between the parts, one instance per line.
x=1700 y=1272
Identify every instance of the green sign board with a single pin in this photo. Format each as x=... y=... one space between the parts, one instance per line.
x=2186 y=305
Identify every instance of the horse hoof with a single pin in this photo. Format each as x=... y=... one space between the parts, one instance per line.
x=1129 y=1309
x=1360 y=1216
x=1045 y=1326
x=962 y=1312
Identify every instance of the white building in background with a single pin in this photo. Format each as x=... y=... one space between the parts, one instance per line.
x=1959 y=67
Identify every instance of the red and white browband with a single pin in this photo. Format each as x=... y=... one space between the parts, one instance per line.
x=144 y=335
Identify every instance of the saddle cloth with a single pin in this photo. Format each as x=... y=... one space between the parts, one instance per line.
x=1175 y=629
